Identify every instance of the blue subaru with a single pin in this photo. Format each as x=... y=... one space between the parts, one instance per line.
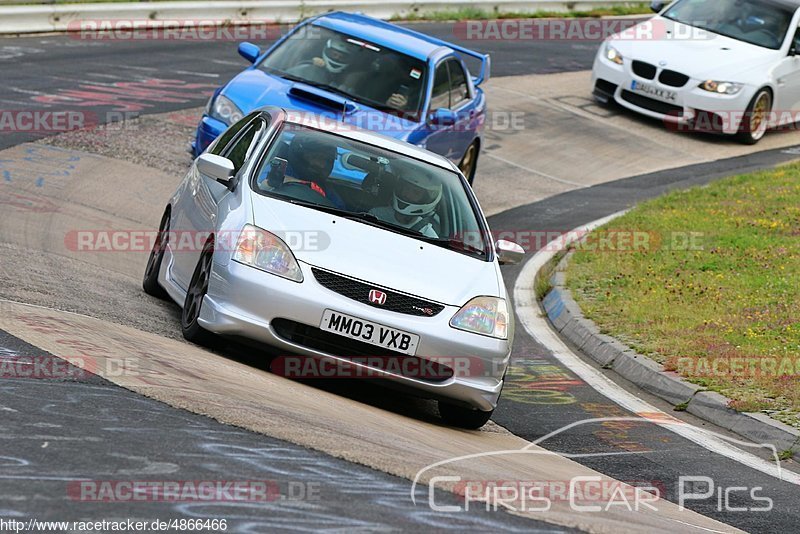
x=365 y=72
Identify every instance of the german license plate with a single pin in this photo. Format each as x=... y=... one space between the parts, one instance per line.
x=369 y=332
x=654 y=92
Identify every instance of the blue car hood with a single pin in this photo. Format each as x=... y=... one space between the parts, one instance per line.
x=254 y=88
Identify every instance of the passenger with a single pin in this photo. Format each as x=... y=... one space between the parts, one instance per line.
x=414 y=203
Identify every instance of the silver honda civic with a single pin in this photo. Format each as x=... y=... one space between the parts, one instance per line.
x=352 y=254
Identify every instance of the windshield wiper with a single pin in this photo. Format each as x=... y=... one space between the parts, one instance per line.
x=458 y=246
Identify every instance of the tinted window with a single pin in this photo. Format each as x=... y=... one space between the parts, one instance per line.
x=222 y=142
x=244 y=144
x=347 y=65
x=458 y=82
x=440 y=98
x=379 y=187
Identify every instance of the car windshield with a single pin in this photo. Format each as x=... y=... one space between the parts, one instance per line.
x=327 y=172
x=759 y=22
x=360 y=71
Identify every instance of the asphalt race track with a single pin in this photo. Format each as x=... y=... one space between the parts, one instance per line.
x=348 y=450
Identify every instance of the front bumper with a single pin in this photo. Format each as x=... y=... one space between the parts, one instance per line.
x=692 y=107
x=244 y=302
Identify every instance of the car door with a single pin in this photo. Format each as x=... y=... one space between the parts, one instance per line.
x=450 y=91
x=462 y=101
x=203 y=195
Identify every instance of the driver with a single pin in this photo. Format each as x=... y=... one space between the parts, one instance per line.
x=337 y=55
x=311 y=163
x=416 y=196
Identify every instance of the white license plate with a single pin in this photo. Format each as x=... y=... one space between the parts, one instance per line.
x=369 y=332
x=654 y=92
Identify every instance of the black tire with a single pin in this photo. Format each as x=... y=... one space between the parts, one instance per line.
x=755 y=120
x=469 y=162
x=150 y=281
x=463 y=417
x=197 y=290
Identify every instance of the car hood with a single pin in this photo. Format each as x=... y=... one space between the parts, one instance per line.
x=376 y=255
x=696 y=53
x=254 y=88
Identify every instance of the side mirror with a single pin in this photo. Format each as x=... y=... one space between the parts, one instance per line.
x=249 y=51
x=442 y=117
x=508 y=253
x=216 y=167
x=656 y=6
x=795 y=48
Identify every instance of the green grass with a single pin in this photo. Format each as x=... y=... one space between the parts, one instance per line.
x=471 y=13
x=732 y=299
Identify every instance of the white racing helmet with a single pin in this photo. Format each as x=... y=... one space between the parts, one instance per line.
x=416 y=194
x=336 y=55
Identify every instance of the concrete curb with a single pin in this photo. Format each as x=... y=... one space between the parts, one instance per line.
x=567 y=318
x=88 y=17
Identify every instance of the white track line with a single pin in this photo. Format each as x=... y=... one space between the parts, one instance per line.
x=539 y=328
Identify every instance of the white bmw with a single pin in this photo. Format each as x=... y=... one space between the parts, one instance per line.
x=728 y=66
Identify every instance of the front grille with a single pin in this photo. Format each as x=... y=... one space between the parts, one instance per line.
x=359 y=291
x=644 y=70
x=672 y=78
x=652 y=104
x=347 y=348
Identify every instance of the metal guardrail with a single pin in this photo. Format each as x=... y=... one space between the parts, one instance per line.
x=48 y=17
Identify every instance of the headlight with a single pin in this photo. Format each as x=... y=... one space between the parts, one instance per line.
x=225 y=110
x=263 y=250
x=612 y=54
x=483 y=315
x=722 y=88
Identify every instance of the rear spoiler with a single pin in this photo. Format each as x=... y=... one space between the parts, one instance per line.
x=486 y=62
